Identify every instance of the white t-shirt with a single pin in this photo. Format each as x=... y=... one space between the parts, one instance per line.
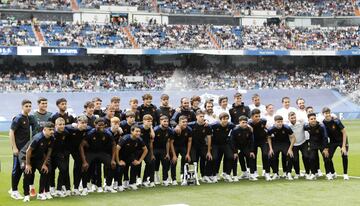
x=285 y=113
x=211 y=118
x=269 y=120
x=218 y=110
x=299 y=132
x=262 y=109
x=301 y=115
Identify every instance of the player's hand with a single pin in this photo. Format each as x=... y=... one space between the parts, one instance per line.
x=153 y=157
x=271 y=153
x=15 y=151
x=252 y=155
x=28 y=169
x=178 y=110
x=122 y=163
x=44 y=169
x=236 y=156
x=113 y=164
x=74 y=124
x=209 y=156
x=136 y=162
x=177 y=130
x=120 y=130
x=206 y=124
x=326 y=153
x=290 y=153
x=85 y=166
x=187 y=158
x=174 y=159
x=343 y=150
x=167 y=157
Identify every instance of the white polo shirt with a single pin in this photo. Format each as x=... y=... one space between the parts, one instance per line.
x=299 y=132
x=285 y=113
x=261 y=107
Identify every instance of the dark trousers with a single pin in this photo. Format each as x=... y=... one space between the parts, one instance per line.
x=149 y=168
x=160 y=155
x=314 y=162
x=274 y=160
x=303 y=148
x=16 y=173
x=178 y=151
x=28 y=178
x=264 y=147
x=199 y=155
x=218 y=152
x=250 y=160
x=59 y=161
x=98 y=158
x=128 y=159
x=77 y=173
x=332 y=150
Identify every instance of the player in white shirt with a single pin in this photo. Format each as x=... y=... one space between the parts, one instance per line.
x=301 y=113
x=222 y=107
x=269 y=115
x=210 y=116
x=284 y=111
x=257 y=105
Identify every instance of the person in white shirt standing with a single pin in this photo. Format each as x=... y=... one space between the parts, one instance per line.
x=210 y=117
x=301 y=144
x=269 y=116
x=257 y=105
x=285 y=110
x=301 y=114
x=223 y=106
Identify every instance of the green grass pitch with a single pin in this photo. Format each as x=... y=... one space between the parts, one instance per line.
x=282 y=192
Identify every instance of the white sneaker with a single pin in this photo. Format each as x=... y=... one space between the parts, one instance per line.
x=41 y=196
x=16 y=195
x=256 y=174
x=92 y=188
x=52 y=190
x=166 y=183
x=115 y=185
x=214 y=179
x=319 y=173
x=84 y=192
x=329 y=176
x=26 y=198
x=60 y=193
x=99 y=190
x=48 y=196
x=234 y=179
x=68 y=193
x=126 y=184
x=253 y=177
x=146 y=184
x=206 y=179
x=334 y=175
x=307 y=176
x=311 y=177
x=110 y=189
x=245 y=175
x=267 y=177
x=152 y=184
x=263 y=173
x=289 y=177
x=228 y=178
x=275 y=177
x=76 y=192
x=183 y=183
x=346 y=177
x=80 y=186
x=302 y=174
x=197 y=182
x=174 y=183
x=157 y=178
x=138 y=181
x=120 y=188
x=296 y=177
x=133 y=187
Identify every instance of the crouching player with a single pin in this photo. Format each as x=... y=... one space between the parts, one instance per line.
x=37 y=158
x=127 y=153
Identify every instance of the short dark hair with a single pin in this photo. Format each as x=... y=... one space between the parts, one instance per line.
x=99 y=120
x=49 y=125
x=135 y=126
x=164 y=96
x=298 y=99
x=82 y=118
x=129 y=114
x=115 y=99
x=223 y=115
x=89 y=104
x=195 y=99
x=237 y=94
x=243 y=118
x=255 y=96
x=326 y=109
x=61 y=100
x=183 y=117
x=96 y=99
x=268 y=105
x=311 y=114
x=208 y=102
x=25 y=101
x=278 y=117
x=291 y=114
x=199 y=112
x=146 y=96
x=164 y=117
x=255 y=111
x=283 y=99
x=221 y=98
x=41 y=99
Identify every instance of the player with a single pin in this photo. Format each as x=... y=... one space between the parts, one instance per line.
x=62 y=106
x=164 y=109
x=147 y=107
x=41 y=114
x=210 y=116
x=223 y=106
x=185 y=110
x=257 y=105
x=97 y=107
x=89 y=112
x=148 y=135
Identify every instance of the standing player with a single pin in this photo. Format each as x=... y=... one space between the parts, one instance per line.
x=201 y=146
x=223 y=106
x=338 y=138
x=195 y=102
x=97 y=107
x=41 y=114
x=185 y=110
x=147 y=107
x=318 y=141
x=133 y=108
x=62 y=106
x=242 y=139
x=269 y=116
x=210 y=117
x=301 y=144
x=19 y=135
x=164 y=108
x=127 y=153
x=281 y=139
x=109 y=114
x=284 y=111
x=161 y=147
x=89 y=112
x=257 y=105
x=148 y=135
x=301 y=114
x=100 y=148
x=260 y=140
x=115 y=104
x=181 y=144
x=37 y=158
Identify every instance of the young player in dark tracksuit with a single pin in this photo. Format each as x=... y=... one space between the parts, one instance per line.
x=281 y=140
x=60 y=160
x=148 y=134
x=184 y=110
x=147 y=108
x=62 y=106
x=20 y=132
x=242 y=138
x=164 y=109
x=201 y=146
x=180 y=144
x=338 y=138
x=221 y=146
x=260 y=140
x=100 y=148
x=127 y=153
x=318 y=141
x=161 y=147
x=239 y=109
x=76 y=135
x=37 y=158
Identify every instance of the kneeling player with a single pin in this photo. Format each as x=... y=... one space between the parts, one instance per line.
x=338 y=138
x=100 y=148
x=127 y=153
x=37 y=157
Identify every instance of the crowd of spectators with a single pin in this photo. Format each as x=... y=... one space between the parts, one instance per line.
x=36 y=4
x=17 y=33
